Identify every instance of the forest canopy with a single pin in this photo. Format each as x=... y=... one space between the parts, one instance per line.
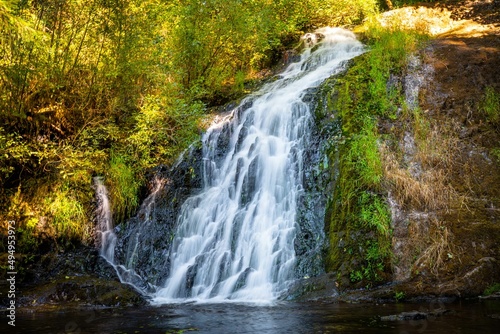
x=114 y=87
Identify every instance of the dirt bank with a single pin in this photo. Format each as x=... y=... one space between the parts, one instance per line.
x=466 y=63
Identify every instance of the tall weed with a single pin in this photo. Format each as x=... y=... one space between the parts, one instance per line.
x=123 y=186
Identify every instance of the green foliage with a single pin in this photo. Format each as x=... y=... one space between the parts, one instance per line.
x=356 y=276
x=491 y=105
x=163 y=129
x=13 y=152
x=374 y=213
x=496 y=153
x=340 y=12
x=399 y=296
x=374 y=260
x=492 y=289
x=123 y=186
x=67 y=212
x=217 y=40
x=359 y=208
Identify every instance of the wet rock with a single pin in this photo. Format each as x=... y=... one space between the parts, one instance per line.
x=82 y=290
x=415 y=315
x=290 y=56
x=323 y=287
x=242 y=279
x=79 y=276
x=144 y=240
x=82 y=260
x=492 y=296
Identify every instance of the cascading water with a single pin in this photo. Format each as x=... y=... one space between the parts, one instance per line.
x=235 y=239
x=106 y=238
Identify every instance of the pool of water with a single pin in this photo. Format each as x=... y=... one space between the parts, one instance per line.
x=480 y=316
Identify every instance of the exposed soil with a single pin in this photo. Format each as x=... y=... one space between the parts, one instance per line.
x=466 y=60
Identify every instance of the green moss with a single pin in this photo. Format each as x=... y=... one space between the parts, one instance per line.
x=358 y=215
x=491 y=105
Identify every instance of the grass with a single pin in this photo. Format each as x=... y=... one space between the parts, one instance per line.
x=123 y=186
x=440 y=248
x=415 y=186
x=360 y=219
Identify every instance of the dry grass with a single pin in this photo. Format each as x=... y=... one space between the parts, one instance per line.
x=418 y=190
x=419 y=175
x=437 y=145
x=427 y=247
x=439 y=251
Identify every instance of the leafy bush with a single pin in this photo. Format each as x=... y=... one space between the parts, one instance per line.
x=14 y=152
x=163 y=130
x=123 y=186
x=341 y=12
x=68 y=214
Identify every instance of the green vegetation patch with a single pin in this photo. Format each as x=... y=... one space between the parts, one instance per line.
x=492 y=289
x=359 y=218
x=491 y=106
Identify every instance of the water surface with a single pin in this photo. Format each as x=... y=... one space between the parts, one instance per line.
x=466 y=317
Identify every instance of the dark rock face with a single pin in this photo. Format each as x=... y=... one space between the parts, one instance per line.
x=76 y=277
x=144 y=240
x=83 y=290
x=322 y=287
x=317 y=183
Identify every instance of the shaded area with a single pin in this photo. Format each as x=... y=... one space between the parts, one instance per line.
x=481 y=11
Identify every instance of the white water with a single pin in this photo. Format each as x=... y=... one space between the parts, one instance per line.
x=106 y=238
x=235 y=240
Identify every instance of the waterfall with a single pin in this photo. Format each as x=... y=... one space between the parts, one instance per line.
x=235 y=238
x=106 y=238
